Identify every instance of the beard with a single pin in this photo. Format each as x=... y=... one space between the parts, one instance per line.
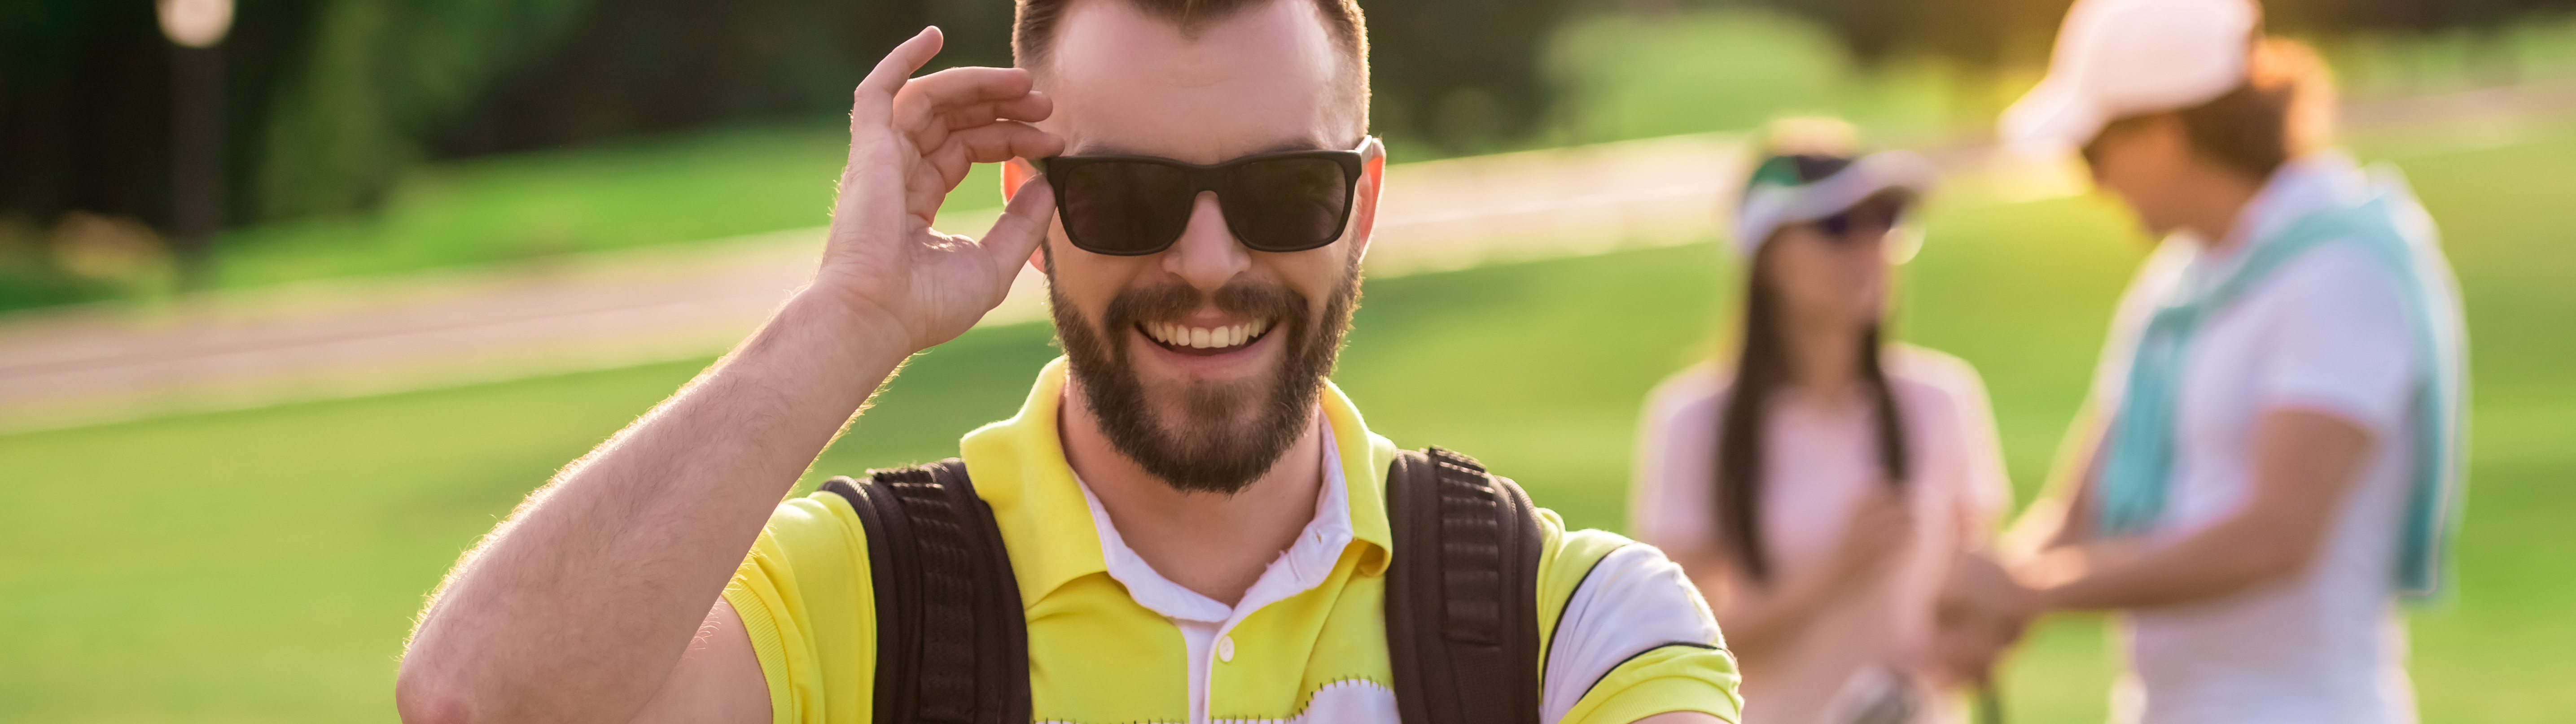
x=1219 y=436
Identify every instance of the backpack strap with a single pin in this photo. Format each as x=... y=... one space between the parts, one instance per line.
x=1462 y=592
x=952 y=639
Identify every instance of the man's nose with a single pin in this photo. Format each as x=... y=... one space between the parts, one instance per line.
x=1207 y=255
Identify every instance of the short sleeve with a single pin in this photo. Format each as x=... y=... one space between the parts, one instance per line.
x=1635 y=639
x=1666 y=679
x=1988 y=488
x=1969 y=460
x=2340 y=339
x=1669 y=489
x=804 y=597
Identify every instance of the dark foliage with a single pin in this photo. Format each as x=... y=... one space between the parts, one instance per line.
x=85 y=102
x=646 y=66
x=1991 y=32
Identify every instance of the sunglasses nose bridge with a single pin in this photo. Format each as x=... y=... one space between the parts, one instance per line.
x=1207 y=255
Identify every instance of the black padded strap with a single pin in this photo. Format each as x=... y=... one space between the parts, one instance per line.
x=1462 y=592
x=952 y=641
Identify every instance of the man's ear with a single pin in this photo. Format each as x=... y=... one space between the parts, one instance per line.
x=1364 y=217
x=1014 y=173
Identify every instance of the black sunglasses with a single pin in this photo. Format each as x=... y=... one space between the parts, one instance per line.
x=1869 y=219
x=1275 y=202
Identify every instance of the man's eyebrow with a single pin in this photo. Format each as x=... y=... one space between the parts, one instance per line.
x=1283 y=146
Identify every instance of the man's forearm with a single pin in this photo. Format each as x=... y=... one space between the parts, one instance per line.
x=577 y=607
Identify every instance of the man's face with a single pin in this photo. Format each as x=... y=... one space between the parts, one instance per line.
x=1207 y=415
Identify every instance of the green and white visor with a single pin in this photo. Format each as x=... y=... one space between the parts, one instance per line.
x=1786 y=190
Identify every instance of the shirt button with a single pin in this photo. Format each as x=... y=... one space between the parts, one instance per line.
x=1225 y=649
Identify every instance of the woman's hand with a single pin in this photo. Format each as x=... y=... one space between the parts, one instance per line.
x=1880 y=530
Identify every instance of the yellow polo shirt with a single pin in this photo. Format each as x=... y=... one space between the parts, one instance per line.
x=1096 y=656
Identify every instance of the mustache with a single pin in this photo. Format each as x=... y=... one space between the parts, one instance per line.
x=1257 y=300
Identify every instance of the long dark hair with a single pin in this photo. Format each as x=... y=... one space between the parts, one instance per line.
x=1761 y=370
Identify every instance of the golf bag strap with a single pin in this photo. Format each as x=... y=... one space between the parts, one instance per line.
x=1461 y=596
x=1461 y=593
x=952 y=640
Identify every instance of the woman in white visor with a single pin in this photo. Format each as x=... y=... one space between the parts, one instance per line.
x=2275 y=437
x=1820 y=486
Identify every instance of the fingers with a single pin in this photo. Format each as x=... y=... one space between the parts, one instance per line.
x=942 y=168
x=954 y=98
x=874 y=99
x=1023 y=226
x=989 y=144
x=1035 y=106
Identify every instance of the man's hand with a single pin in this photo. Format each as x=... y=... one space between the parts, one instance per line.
x=911 y=141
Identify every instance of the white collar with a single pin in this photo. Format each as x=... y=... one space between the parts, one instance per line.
x=2300 y=187
x=1302 y=567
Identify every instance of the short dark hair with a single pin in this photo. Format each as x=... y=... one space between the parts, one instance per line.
x=1034 y=29
x=2283 y=110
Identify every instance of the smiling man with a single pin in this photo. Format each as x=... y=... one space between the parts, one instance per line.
x=1185 y=522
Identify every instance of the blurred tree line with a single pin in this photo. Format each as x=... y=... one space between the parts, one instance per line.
x=1990 y=33
x=327 y=102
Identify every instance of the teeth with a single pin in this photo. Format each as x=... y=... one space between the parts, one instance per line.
x=1206 y=337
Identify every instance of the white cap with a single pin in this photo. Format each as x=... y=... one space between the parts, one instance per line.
x=2119 y=58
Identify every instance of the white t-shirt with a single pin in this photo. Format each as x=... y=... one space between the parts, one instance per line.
x=1631 y=602
x=2326 y=331
x=1821 y=462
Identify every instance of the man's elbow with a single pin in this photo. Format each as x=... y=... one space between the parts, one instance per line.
x=421 y=697
x=437 y=686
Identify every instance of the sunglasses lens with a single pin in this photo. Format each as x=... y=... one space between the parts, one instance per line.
x=1286 y=204
x=1869 y=220
x=1125 y=208
x=1836 y=226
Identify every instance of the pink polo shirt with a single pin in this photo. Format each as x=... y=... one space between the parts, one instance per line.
x=1821 y=461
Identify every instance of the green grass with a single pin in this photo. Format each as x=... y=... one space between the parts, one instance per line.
x=262 y=565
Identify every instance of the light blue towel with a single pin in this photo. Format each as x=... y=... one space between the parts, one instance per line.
x=2137 y=472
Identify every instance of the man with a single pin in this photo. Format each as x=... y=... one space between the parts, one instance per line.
x=2283 y=384
x=1194 y=517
